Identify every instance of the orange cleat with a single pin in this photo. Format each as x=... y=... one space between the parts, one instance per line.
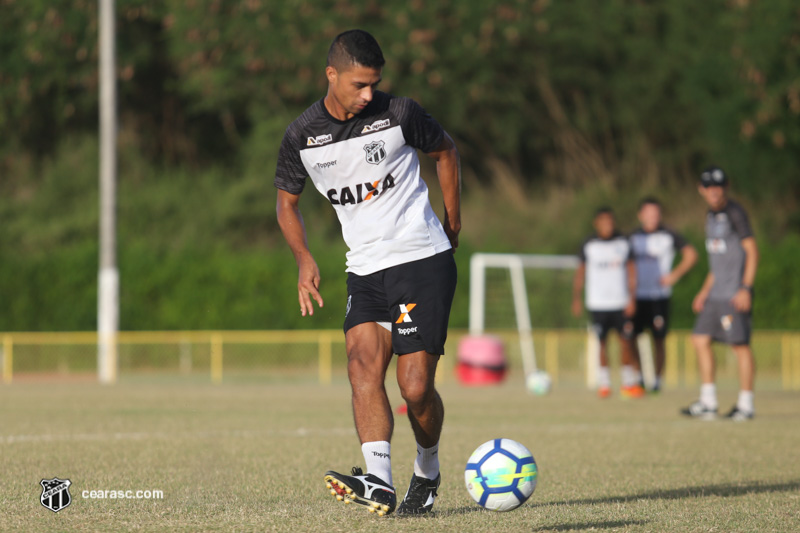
x=634 y=391
x=604 y=392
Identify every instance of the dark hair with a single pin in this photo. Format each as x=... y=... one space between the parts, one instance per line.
x=649 y=200
x=603 y=210
x=355 y=47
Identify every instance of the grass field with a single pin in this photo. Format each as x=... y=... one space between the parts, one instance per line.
x=250 y=457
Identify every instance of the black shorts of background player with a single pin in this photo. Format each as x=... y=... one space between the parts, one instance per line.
x=654 y=249
x=608 y=274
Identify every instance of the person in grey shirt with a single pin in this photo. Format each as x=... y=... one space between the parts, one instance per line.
x=725 y=300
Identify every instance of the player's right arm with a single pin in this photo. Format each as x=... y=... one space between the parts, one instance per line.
x=294 y=231
x=700 y=299
x=577 y=289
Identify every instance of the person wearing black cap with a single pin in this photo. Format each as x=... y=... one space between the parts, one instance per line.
x=724 y=303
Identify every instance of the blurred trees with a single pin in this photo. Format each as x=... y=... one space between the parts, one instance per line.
x=594 y=98
x=619 y=90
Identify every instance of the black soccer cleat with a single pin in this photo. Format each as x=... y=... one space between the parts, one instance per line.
x=370 y=491
x=699 y=410
x=738 y=415
x=420 y=496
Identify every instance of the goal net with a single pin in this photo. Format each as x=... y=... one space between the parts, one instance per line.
x=515 y=292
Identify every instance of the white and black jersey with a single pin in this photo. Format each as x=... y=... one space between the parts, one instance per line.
x=654 y=253
x=606 y=272
x=367 y=167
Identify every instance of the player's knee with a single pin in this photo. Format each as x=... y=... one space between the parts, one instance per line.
x=416 y=391
x=364 y=369
x=701 y=341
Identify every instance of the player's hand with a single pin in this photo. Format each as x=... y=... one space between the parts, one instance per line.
x=668 y=280
x=308 y=286
x=699 y=302
x=630 y=309
x=577 y=308
x=452 y=228
x=742 y=300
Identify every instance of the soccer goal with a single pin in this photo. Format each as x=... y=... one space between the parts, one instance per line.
x=515 y=266
x=502 y=278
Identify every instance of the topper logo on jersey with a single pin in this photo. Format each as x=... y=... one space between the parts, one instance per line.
x=405 y=313
x=326 y=164
x=375 y=126
x=363 y=192
x=319 y=139
x=375 y=152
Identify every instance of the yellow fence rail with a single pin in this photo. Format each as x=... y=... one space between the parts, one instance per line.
x=282 y=354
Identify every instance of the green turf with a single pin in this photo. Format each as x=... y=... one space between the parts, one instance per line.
x=250 y=457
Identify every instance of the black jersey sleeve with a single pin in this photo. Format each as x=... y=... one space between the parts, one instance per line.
x=582 y=250
x=290 y=174
x=739 y=221
x=419 y=128
x=678 y=240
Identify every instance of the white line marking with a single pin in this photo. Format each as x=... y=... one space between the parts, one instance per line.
x=240 y=433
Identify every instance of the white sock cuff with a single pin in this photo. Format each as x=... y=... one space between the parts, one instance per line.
x=745 y=402
x=708 y=395
x=603 y=376
x=629 y=378
x=427 y=451
x=378 y=459
x=427 y=462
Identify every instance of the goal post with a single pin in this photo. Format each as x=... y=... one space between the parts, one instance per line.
x=516 y=265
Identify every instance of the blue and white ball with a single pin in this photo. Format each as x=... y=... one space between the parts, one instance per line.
x=501 y=474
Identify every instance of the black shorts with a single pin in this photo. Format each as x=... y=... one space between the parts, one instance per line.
x=414 y=298
x=653 y=315
x=605 y=321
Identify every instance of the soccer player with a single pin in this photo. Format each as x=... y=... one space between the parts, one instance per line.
x=608 y=272
x=359 y=147
x=725 y=300
x=654 y=247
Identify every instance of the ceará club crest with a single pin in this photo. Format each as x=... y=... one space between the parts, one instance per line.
x=376 y=152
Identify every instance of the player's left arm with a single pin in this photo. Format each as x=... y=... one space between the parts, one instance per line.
x=743 y=299
x=630 y=266
x=448 y=169
x=688 y=260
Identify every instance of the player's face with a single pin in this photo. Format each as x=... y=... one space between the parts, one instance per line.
x=604 y=225
x=714 y=196
x=650 y=217
x=352 y=89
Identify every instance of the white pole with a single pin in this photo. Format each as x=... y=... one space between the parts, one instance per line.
x=646 y=359
x=520 y=294
x=477 y=294
x=108 y=278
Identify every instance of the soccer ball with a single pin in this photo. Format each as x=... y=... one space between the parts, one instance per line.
x=538 y=382
x=501 y=474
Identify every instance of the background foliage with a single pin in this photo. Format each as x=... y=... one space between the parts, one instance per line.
x=556 y=107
